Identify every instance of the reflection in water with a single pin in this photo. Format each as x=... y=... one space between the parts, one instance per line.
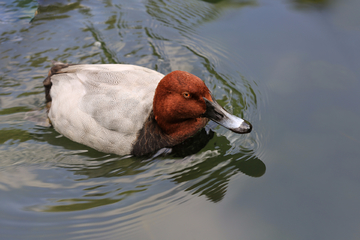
x=309 y=4
x=233 y=3
x=205 y=172
x=211 y=177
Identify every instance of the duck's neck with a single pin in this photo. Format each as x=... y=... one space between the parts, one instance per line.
x=152 y=137
x=183 y=129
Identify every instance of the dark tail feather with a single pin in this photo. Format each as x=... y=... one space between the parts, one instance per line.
x=55 y=69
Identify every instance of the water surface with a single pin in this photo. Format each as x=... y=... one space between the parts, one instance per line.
x=289 y=67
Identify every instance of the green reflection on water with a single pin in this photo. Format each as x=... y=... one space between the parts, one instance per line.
x=82 y=204
x=14 y=134
x=207 y=178
x=25 y=94
x=308 y=4
x=7 y=111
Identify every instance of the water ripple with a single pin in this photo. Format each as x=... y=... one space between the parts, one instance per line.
x=76 y=192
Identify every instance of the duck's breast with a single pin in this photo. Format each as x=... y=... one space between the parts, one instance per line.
x=102 y=106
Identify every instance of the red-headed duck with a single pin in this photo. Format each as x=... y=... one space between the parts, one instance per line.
x=126 y=109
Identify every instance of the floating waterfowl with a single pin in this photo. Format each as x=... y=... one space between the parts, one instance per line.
x=127 y=109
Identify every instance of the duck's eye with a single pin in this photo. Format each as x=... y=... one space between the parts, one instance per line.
x=186 y=95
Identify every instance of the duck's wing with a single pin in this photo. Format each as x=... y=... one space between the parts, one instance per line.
x=102 y=106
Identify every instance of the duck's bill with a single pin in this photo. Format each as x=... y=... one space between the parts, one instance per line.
x=218 y=114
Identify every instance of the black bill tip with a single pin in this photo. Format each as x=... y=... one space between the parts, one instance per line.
x=245 y=127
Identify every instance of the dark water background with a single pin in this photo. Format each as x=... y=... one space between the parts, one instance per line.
x=291 y=67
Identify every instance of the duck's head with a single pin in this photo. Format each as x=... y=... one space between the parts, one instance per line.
x=183 y=105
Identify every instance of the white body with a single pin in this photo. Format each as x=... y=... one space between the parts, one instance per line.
x=102 y=106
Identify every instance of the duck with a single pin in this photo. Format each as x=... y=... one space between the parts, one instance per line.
x=126 y=109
